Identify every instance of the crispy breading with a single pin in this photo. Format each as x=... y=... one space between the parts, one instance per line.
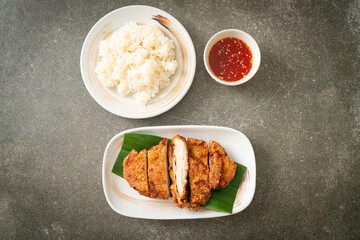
x=158 y=171
x=215 y=165
x=135 y=171
x=198 y=173
x=178 y=170
x=228 y=168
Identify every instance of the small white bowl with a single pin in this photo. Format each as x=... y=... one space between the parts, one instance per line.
x=245 y=38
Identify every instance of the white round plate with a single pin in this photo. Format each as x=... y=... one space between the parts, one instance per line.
x=127 y=106
x=128 y=202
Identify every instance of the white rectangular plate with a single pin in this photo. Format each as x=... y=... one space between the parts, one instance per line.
x=126 y=201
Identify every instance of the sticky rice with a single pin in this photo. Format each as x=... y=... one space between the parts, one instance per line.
x=136 y=59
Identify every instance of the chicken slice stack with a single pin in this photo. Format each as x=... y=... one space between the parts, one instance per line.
x=190 y=165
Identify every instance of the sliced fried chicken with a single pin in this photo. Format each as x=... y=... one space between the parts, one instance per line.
x=158 y=174
x=215 y=165
x=228 y=167
x=135 y=171
x=198 y=173
x=178 y=170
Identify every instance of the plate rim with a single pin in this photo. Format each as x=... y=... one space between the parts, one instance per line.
x=122 y=133
x=145 y=115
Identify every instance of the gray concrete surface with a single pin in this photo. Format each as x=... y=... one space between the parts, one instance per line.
x=301 y=112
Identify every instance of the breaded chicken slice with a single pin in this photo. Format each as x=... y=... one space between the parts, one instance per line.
x=178 y=170
x=198 y=173
x=135 y=171
x=158 y=174
x=228 y=168
x=215 y=165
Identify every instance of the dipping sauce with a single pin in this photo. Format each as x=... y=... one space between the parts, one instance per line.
x=230 y=59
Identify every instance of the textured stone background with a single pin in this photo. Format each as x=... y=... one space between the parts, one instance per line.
x=301 y=112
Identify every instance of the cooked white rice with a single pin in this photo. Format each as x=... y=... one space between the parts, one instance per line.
x=136 y=59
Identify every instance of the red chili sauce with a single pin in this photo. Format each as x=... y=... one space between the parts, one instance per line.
x=230 y=59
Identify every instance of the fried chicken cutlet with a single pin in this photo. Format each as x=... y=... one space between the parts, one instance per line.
x=158 y=171
x=198 y=173
x=220 y=163
x=178 y=170
x=215 y=165
x=135 y=171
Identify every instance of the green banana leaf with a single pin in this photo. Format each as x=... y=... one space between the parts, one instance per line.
x=221 y=199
